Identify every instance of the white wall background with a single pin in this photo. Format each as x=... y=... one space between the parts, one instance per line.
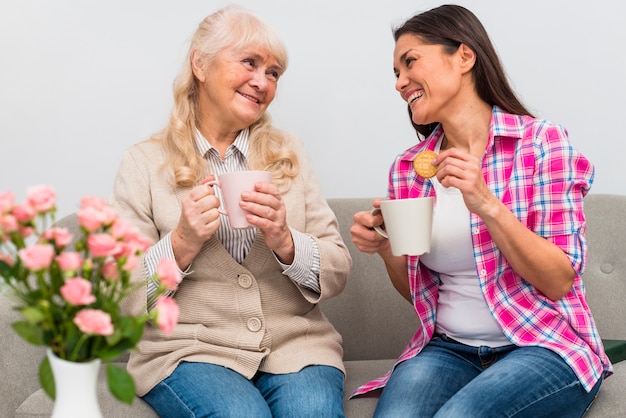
x=81 y=80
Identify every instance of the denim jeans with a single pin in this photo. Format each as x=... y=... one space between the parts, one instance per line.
x=450 y=379
x=207 y=390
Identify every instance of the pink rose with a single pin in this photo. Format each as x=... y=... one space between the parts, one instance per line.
x=94 y=322
x=103 y=245
x=108 y=215
x=132 y=261
x=26 y=231
x=128 y=251
x=122 y=229
x=94 y=202
x=94 y=213
x=8 y=223
x=167 y=314
x=7 y=259
x=110 y=271
x=168 y=273
x=77 y=291
x=90 y=219
x=37 y=257
x=124 y=249
x=134 y=244
x=7 y=200
x=69 y=261
x=41 y=198
x=140 y=243
x=24 y=213
x=60 y=236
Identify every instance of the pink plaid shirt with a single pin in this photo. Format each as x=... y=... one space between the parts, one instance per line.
x=532 y=168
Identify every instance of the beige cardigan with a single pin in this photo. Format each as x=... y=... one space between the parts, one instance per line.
x=247 y=317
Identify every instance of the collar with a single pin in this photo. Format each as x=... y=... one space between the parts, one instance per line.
x=503 y=125
x=240 y=143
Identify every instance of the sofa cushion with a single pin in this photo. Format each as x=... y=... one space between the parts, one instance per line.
x=357 y=372
x=611 y=400
x=373 y=319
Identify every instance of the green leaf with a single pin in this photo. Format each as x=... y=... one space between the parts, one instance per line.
x=133 y=328
x=115 y=337
x=110 y=353
x=29 y=332
x=121 y=384
x=32 y=314
x=46 y=378
x=5 y=269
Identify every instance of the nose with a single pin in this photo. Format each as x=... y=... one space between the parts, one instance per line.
x=401 y=82
x=259 y=80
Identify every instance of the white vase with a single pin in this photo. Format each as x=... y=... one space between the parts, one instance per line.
x=75 y=383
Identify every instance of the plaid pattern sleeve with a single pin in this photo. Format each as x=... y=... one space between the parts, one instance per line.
x=530 y=165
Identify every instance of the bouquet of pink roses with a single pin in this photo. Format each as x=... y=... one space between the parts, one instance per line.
x=68 y=289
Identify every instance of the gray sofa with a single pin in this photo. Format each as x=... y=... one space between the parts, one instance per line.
x=374 y=320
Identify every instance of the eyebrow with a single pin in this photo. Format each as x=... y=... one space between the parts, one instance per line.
x=402 y=59
x=256 y=55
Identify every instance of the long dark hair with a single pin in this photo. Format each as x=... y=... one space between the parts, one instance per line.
x=451 y=25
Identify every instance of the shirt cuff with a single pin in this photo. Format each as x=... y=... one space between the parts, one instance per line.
x=305 y=269
x=152 y=257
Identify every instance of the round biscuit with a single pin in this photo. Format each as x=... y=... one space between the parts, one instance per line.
x=423 y=164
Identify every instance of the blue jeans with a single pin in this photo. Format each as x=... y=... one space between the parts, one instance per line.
x=450 y=379
x=207 y=390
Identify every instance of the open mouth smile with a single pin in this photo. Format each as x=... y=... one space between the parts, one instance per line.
x=414 y=96
x=251 y=98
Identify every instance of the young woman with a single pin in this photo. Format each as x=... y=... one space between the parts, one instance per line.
x=505 y=327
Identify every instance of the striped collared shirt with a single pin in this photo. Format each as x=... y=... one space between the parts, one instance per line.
x=305 y=268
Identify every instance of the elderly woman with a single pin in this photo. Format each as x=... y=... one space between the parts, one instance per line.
x=251 y=340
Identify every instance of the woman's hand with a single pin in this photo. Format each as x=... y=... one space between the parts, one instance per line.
x=268 y=213
x=363 y=235
x=369 y=241
x=462 y=170
x=535 y=259
x=199 y=220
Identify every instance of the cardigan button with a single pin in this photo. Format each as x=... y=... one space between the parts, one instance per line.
x=254 y=324
x=245 y=281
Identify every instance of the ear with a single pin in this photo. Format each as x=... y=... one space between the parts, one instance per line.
x=197 y=65
x=467 y=57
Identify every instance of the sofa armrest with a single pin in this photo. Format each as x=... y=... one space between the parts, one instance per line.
x=615 y=349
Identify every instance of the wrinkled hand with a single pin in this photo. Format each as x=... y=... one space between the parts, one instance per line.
x=268 y=213
x=199 y=217
x=457 y=168
x=364 y=237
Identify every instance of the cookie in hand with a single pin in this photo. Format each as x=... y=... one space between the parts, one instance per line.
x=423 y=164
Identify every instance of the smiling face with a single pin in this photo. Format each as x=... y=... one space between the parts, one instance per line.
x=429 y=78
x=237 y=86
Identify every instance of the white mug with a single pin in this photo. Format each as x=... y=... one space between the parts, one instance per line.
x=408 y=224
x=232 y=185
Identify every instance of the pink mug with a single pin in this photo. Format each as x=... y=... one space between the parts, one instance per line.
x=232 y=185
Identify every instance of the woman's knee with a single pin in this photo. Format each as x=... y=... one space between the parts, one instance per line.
x=200 y=389
x=315 y=391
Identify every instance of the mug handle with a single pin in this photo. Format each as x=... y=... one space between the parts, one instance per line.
x=216 y=183
x=378 y=229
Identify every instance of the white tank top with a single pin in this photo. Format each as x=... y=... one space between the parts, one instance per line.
x=462 y=313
